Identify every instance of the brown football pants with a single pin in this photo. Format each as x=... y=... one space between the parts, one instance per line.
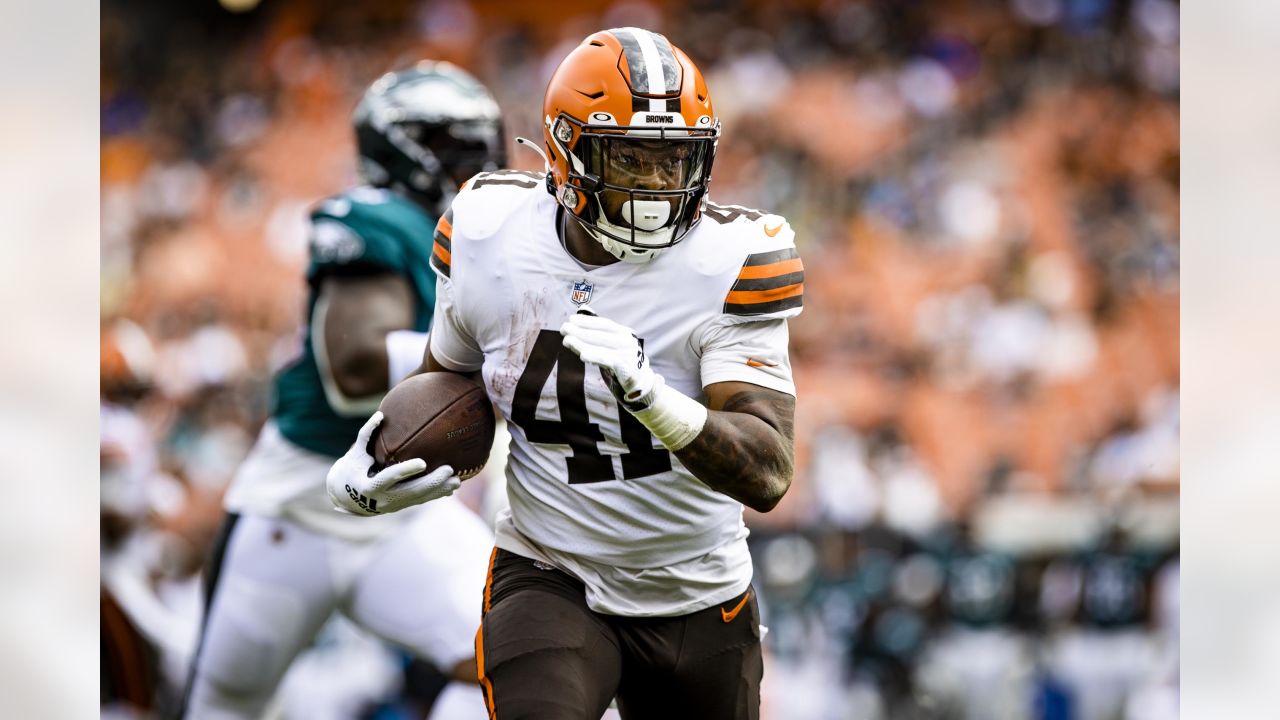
x=544 y=655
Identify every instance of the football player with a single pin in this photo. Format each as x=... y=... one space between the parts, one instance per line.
x=634 y=336
x=287 y=560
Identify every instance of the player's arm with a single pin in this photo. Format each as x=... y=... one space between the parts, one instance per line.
x=452 y=347
x=360 y=335
x=743 y=443
x=739 y=443
x=746 y=448
x=431 y=364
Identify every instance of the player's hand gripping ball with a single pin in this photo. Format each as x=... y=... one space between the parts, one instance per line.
x=433 y=423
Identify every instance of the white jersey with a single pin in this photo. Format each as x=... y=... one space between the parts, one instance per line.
x=591 y=490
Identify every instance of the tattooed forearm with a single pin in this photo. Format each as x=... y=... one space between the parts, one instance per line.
x=746 y=449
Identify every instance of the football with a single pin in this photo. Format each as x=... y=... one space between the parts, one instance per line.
x=440 y=417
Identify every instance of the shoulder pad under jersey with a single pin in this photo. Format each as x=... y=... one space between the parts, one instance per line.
x=483 y=205
x=770 y=274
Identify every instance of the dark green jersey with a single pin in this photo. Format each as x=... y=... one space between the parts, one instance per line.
x=362 y=231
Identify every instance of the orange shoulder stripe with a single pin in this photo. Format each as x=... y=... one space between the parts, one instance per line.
x=445 y=256
x=753 y=272
x=748 y=297
x=444 y=227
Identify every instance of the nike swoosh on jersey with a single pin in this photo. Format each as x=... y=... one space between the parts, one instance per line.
x=730 y=615
x=752 y=362
x=773 y=231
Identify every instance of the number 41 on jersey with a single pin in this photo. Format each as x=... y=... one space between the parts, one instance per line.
x=574 y=428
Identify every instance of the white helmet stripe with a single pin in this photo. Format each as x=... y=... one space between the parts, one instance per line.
x=653 y=67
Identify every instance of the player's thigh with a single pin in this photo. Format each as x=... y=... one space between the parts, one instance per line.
x=717 y=675
x=269 y=595
x=423 y=588
x=543 y=654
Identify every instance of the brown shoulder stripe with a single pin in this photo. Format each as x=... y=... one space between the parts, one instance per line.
x=773 y=256
x=764 y=308
x=771 y=283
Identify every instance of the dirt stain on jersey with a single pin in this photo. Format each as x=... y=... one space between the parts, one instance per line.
x=527 y=319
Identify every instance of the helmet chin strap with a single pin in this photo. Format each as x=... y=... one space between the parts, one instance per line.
x=625 y=253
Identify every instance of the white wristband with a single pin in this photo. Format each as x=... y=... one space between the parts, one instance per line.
x=673 y=417
x=405 y=351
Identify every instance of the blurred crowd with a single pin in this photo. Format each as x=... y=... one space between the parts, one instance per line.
x=985 y=194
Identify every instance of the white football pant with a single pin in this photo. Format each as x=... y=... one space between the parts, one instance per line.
x=420 y=587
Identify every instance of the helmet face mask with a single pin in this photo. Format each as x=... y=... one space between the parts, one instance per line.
x=425 y=130
x=644 y=186
x=637 y=186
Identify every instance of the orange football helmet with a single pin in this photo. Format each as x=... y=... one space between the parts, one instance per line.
x=632 y=135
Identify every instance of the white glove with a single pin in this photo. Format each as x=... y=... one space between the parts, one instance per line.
x=617 y=350
x=352 y=490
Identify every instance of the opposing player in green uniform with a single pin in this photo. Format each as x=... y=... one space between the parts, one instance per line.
x=287 y=560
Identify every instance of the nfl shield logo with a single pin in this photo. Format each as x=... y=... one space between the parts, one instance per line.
x=581 y=292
